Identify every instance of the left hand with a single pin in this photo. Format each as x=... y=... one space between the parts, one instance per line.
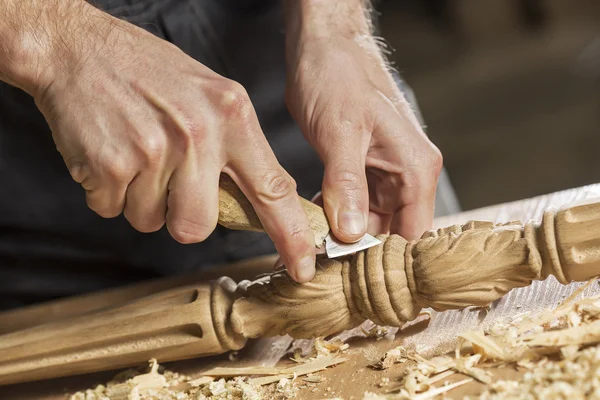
x=381 y=170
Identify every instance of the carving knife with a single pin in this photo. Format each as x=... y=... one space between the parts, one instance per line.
x=236 y=212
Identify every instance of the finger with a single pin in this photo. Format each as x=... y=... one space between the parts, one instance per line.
x=104 y=196
x=107 y=201
x=411 y=221
x=415 y=216
x=272 y=193
x=193 y=199
x=106 y=186
x=411 y=190
x=345 y=191
x=379 y=224
x=146 y=201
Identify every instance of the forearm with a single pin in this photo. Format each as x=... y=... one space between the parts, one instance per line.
x=326 y=21
x=319 y=18
x=33 y=32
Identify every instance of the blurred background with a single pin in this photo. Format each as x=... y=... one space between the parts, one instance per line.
x=509 y=90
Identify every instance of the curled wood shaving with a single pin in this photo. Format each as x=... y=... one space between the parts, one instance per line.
x=559 y=349
x=398 y=355
x=320 y=348
x=571 y=324
x=566 y=379
x=377 y=332
x=286 y=387
x=467 y=366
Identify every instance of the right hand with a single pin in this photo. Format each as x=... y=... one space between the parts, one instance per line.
x=147 y=131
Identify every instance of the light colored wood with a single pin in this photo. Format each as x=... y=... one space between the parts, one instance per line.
x=352 y=378
x=450 y=268
x=456 y=267
x=173 y=325
x=53 y=311
x=236 y=212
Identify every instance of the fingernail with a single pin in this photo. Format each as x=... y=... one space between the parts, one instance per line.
x=306 y=269
x=351 y=222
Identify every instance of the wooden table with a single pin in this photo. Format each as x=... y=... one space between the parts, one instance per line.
x=351 y=379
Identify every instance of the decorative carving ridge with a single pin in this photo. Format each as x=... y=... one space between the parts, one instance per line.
x=452 y=268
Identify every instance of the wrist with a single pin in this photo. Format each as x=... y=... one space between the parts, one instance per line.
x=37 y=40
x=321 y=19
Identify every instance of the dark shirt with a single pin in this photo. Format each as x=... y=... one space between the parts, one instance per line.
x=52 y=245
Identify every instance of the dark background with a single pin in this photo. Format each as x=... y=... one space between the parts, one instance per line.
x=509 y=89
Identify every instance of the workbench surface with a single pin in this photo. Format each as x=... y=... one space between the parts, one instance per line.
x=352 y=378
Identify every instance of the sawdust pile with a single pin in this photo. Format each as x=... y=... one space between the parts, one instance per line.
x=222 y=383
x=557 y=351
x=169 y=385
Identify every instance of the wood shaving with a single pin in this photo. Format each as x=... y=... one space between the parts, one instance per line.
x=320 y=348
x=238 y=388
x=384 y=382
x=430 y=394
x=233 y=355
x=377 y=332
x=152 y=385
x=467 y=366
x=130 y=385
x=243 y=371
x=314 y=379
x=559 y=351
x=398 y=355
x=300 y=370
x=567 y=379
x=286 y=387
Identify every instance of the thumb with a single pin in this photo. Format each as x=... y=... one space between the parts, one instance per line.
x=346 y=194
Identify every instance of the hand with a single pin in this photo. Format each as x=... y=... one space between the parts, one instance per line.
x=147 y=131
x=381 y=170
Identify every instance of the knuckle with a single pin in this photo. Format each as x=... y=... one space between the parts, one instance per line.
x=188 y=231
x=294 y=239
x=152 y=148
x=275 y=187
x=235 y=101
x=297 y=236
x=117 y=169
x=412 y=179
x=350 y=179
x=195 y=131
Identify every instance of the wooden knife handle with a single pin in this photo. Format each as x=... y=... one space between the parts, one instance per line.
x=236 y=212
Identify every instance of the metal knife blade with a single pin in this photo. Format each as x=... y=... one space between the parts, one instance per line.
x=334 y=248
